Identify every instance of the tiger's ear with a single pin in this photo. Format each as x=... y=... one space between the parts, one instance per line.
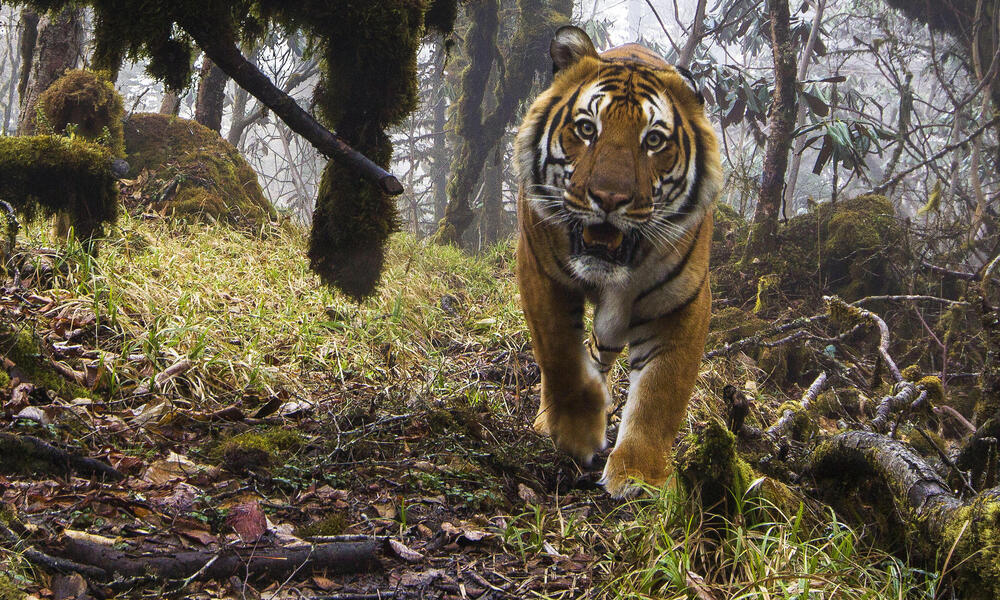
x=569 y=45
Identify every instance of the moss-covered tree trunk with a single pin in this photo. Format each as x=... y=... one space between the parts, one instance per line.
x=491 y=217
x=58 y=47
x=439 y=154
x=781 y=121
x=477 y=135
x=211 y=95
x=481 y=52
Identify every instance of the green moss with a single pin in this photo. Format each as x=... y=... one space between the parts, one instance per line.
x=192 y=171
x=332 y=524
x=934 y=387
x=21 y=348
x=707 y=464
x=924 y=447
x=728 y=234
x=844 y=248
x=45 y=175
x=765 y=285
x=974 y=532
x=911 y=373
x=258 y=449
x=731 y=324
x=368 y=84
x=83 y=104
x=9 y=590
x=4 y=379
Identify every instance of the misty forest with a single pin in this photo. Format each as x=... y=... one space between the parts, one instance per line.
x=314 y=299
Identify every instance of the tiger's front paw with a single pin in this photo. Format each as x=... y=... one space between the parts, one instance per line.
x=631 y=463
x=576 y=423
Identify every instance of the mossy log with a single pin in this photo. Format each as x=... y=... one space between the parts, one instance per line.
x=26 y=454
x=967 y=530
x=192 y=171
x=48 y=175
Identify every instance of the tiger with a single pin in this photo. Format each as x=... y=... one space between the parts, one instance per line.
x=618 y=170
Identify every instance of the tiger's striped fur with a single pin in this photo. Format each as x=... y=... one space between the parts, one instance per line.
x=618 y=170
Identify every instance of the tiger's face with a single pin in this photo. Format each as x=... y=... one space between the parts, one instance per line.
x=610 y=153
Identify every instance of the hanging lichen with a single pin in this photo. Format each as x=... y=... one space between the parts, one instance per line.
x=83 y=104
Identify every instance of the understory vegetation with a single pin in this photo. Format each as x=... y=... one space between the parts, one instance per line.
x=406 y=416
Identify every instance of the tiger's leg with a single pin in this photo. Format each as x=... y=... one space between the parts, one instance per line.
x=574 y=395
x=664 y=369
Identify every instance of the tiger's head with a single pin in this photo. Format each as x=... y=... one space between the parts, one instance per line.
x=619 y=152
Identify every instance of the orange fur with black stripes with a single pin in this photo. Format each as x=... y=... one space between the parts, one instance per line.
x=618 y=169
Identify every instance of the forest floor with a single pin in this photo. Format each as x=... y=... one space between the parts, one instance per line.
x=289 y=415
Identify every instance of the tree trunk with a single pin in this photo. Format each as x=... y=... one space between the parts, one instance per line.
x=12 y=83
x=800 y=118
x=440 y=159
x=491 y=219
x=481 y=52
x=171 y=103
x=781 y=122
x=211 y=95
x=902 y=127
x=59 y=46
x=695 y=37
x=477 y=135
x=27 y=31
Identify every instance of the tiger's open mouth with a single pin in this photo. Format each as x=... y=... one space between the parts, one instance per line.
x=603 y=241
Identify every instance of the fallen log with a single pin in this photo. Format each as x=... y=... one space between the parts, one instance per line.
x=968 y=531
x=255 y=561
x=18 y=451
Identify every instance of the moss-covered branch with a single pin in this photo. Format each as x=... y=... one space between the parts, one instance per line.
x=228 y=57
x=968 y=530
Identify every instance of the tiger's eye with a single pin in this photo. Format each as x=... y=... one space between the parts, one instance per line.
x=586 y=129
x=654 y=140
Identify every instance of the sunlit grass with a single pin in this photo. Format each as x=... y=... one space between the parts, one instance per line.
x=667 y=547
x=254 y=319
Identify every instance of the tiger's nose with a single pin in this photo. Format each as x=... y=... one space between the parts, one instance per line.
x=609 y=201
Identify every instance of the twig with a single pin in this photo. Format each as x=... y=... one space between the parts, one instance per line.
x=944 y=409
x=937 y=155
x=947 y=461
x=883 y=330
x=781 y=427
x=890 y=404
x=914 y=298
x=52 y=563
x=759 y=337
x=164 y=376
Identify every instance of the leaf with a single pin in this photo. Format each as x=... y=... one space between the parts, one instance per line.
x=697 y=584
x=816 y=104
x=403 y=552
x=248 y=521
x=825 y=152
